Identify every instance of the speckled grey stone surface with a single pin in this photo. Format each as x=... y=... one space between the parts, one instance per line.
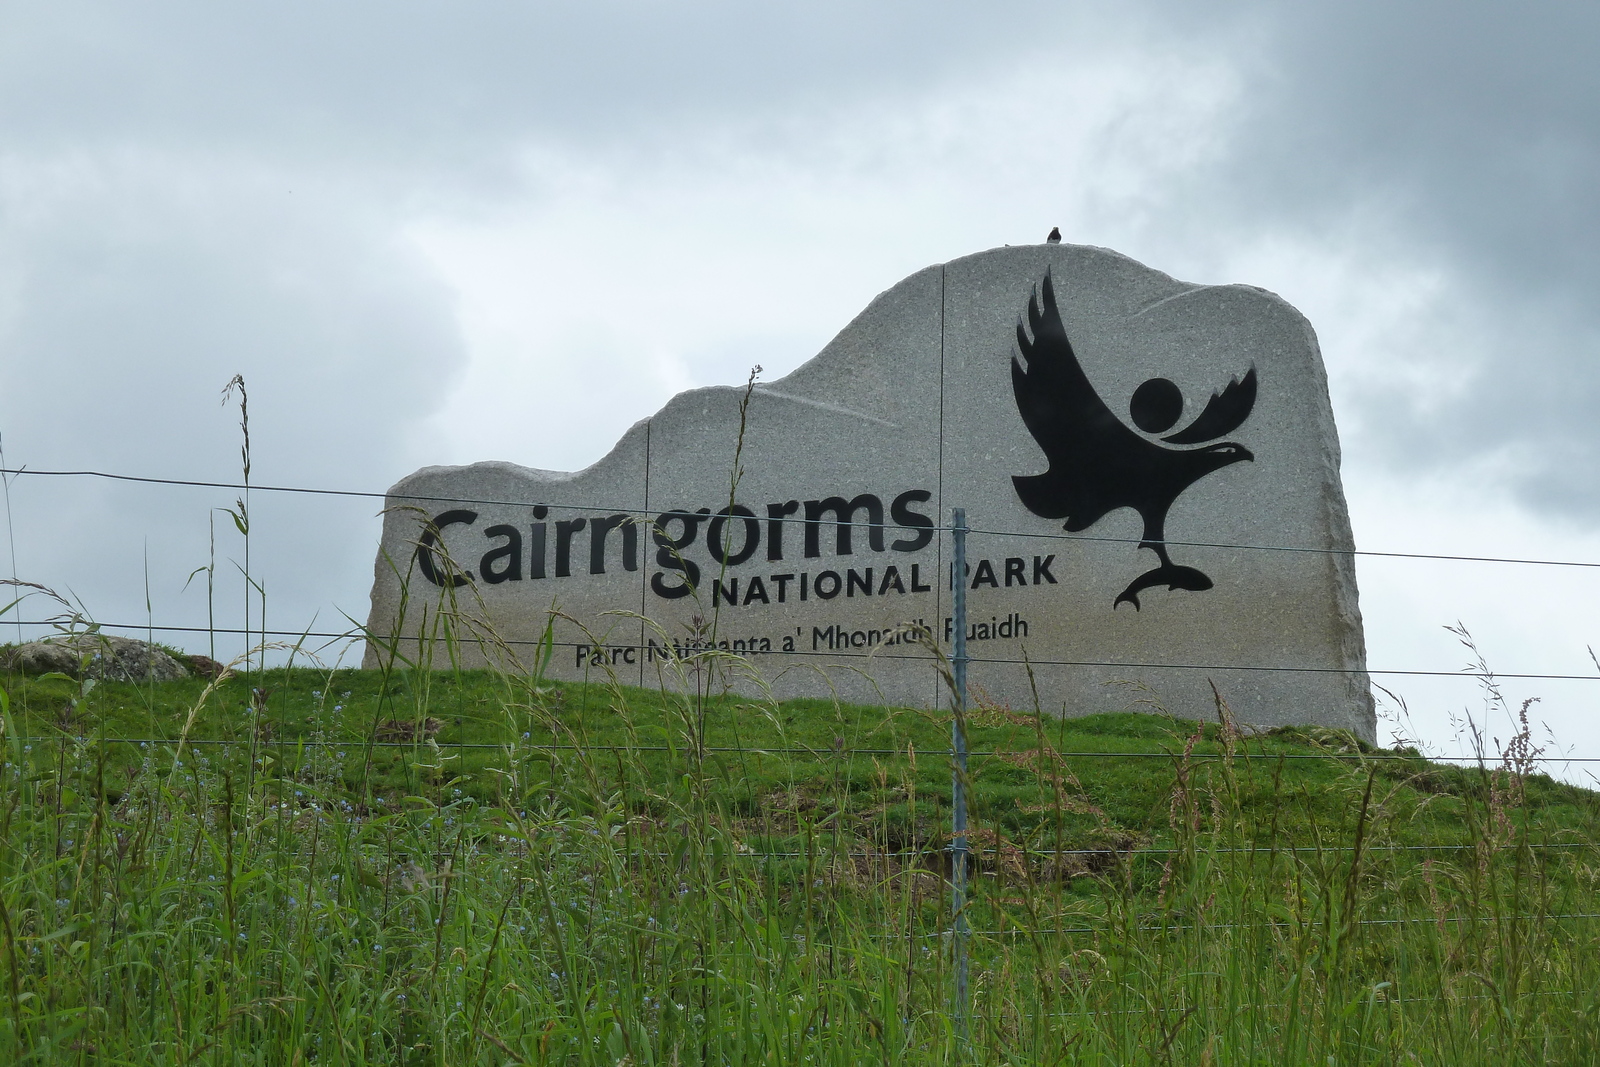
x=94 y=655
x=911 y=409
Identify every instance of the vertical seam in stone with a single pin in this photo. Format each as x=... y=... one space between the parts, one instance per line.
x=938 y=558
x=644 y=553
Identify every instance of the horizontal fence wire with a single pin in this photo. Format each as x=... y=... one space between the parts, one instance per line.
x=651 y=513
x=668 y=653
x=942 y=935
x=1137 y=853
x=1207 y=927
x=926 y=854
x=1378 y=1001
x=1102 y=853
x=1306 y=549
x=1466 y=762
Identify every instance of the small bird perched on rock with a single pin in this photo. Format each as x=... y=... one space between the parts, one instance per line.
x=1055 y=236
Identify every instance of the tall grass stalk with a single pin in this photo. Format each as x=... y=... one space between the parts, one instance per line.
x=267 y=903
x=11 y=532
x=241 y=511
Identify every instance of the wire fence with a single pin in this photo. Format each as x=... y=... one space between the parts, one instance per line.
x=301 y=637
x=850 y=654
x=653 y=517
x=650 y=514
x=956 y=849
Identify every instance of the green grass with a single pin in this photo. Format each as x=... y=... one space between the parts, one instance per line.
x=325 y=873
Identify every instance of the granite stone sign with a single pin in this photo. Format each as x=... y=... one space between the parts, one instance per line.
x=1150 y=470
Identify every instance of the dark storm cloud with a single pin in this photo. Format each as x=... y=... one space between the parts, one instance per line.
x=1475 y=129
x=408 y=79
x=1486 y=117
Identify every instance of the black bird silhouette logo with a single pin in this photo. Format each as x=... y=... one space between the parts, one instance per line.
x=1098 y=464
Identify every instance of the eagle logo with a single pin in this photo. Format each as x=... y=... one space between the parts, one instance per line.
x=1098 y=464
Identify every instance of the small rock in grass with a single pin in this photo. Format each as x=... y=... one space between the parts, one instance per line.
x=205 y=666
x=99 y=656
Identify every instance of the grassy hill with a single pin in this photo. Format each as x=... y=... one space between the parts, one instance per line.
x=457 y=868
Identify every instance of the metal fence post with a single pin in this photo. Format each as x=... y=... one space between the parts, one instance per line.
x=958 y=777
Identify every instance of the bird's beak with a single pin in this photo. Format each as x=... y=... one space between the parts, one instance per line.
x=1246 y=454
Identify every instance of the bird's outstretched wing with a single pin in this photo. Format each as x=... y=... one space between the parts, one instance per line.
x=1073 y=426
x=1223 y=413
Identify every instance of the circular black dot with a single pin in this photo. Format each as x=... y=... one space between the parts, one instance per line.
x=1156 y=405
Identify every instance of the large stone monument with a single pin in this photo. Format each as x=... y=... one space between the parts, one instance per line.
x=1150 y=470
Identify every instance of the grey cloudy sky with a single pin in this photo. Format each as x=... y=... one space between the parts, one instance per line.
x=432 y=233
